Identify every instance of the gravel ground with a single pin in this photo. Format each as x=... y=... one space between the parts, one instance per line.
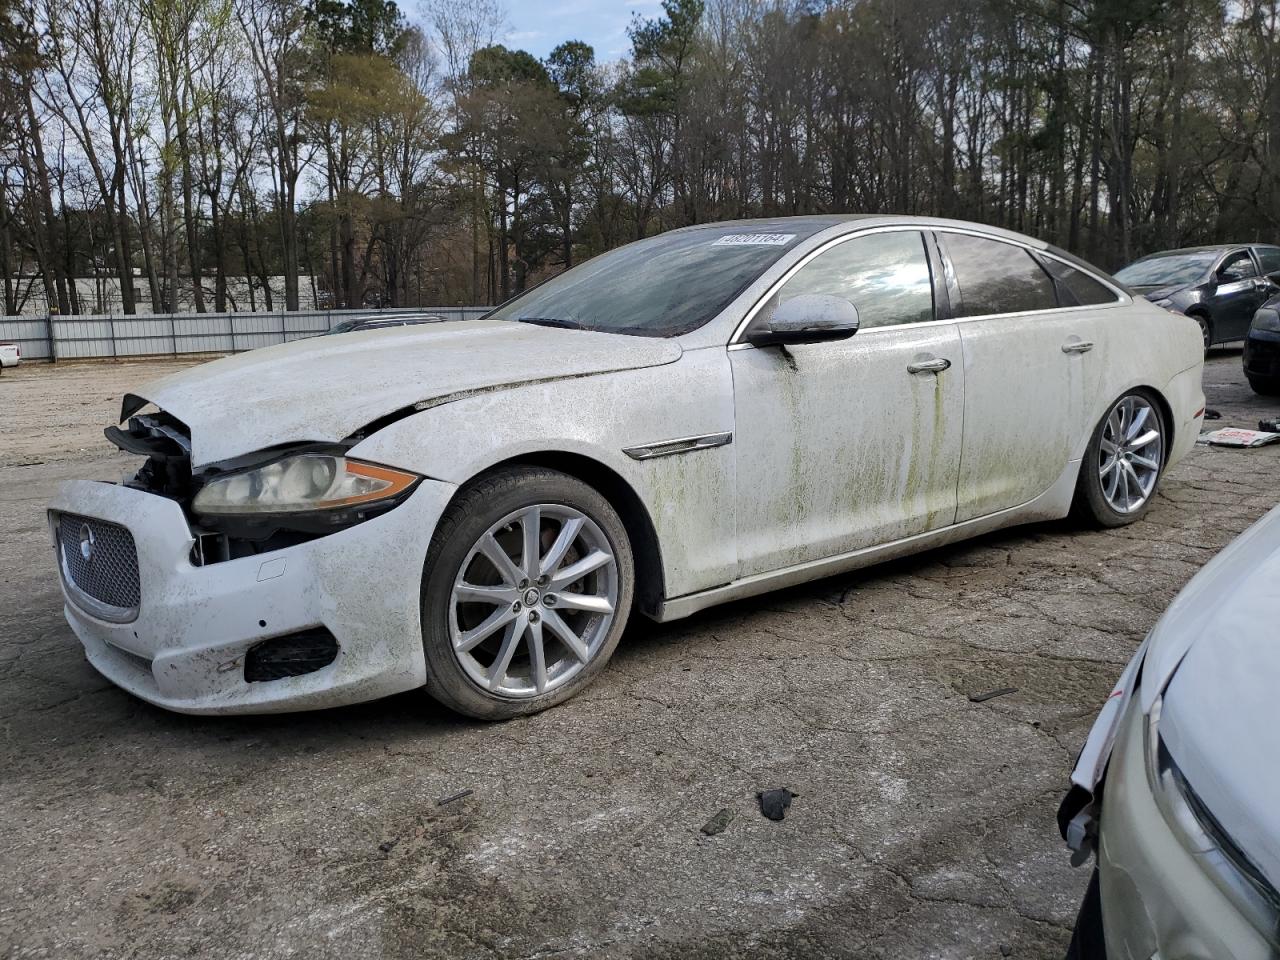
x=924 y=825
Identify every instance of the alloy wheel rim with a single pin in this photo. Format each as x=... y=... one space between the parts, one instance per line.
x=1132 y=448
x=533 y=601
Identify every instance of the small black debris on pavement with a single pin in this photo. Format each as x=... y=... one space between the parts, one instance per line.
x=991 y=694
x=717 y=823
x=774 y=803
x=455 y=796
x=386 y=845
x=1212 y=414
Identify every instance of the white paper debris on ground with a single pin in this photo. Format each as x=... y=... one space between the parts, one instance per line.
x=1235 y=437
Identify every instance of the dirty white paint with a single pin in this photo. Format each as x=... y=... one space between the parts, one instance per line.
x=840 y=448
x=688 y=496
x=840 y=456
x=1026 y=403
x=326 y=388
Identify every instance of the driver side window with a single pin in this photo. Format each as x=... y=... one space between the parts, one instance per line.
x=885 y=275
x=1238 y=266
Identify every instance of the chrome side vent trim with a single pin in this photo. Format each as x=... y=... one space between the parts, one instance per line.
x=667 y=448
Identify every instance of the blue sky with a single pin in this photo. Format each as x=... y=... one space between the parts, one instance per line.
x=539 y=26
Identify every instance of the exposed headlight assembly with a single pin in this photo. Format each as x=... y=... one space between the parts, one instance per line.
x=1164 y=303
x=302 y=484
x=1266 y=320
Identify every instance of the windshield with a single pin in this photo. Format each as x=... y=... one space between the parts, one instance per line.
x=1163 y=271
x=664 y=286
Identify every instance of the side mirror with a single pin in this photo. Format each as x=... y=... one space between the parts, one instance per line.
x=809 y=318
x=1274 y=277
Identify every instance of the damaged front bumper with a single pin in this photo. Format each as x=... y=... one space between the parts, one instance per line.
x=1078 y=814
x=1158 y=899
x=184 y=644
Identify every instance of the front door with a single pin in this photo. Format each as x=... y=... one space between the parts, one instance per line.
x=852 y=443
x=1240 y=291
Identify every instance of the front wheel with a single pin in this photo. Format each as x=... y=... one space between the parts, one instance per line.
x=1123 y=463
x=1265 y=386
x=1206 y=332
x=527 y=590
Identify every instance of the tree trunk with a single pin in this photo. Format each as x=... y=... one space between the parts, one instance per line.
x=189 y=214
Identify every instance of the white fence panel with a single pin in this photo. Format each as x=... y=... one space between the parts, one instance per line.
x=31 y=336
x=88 y=337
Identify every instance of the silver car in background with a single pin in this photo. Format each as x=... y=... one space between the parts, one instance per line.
x=1178 y=785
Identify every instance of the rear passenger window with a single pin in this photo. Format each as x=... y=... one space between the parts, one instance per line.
x=996 y=277
x=1269 y=257
x=1086 y=290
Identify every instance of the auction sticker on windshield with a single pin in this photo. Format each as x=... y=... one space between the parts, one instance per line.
x=755 y=240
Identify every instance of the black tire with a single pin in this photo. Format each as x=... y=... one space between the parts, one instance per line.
x=1265 y=386
x=1090 y=503
x=1206 y=329
x=468 y=517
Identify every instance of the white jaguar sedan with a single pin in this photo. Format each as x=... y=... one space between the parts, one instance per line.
x=476 y=507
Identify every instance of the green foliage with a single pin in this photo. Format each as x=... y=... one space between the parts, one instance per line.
x=358 y=26
x=322 y=137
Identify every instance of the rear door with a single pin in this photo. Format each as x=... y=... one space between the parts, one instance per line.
x=1240 y=291
x=1269 y=264
x=1029 y=371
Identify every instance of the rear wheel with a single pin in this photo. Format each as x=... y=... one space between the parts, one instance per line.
x=1265 y=386
x=528 y=588
x=1123 y=463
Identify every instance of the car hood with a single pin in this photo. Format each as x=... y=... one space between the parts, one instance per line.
x=1215 y=656
x=1161 y=292
x=327 y=388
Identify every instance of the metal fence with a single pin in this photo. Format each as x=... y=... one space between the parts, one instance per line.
x=173 y=334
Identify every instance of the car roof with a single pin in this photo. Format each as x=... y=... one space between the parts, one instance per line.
x=1206 y=248
x=812 y=224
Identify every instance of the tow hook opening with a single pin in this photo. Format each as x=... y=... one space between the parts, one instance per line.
x=292 y=655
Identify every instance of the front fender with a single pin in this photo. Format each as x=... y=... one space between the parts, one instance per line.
x=689 y=496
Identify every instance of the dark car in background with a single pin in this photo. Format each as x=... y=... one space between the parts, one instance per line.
x=1262 y=350
x=380 y=321
x=1221 y=287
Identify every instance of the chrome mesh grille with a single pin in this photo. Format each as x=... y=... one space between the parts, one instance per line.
x=101 y=560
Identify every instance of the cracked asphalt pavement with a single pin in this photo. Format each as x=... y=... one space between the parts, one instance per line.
x=923 y=826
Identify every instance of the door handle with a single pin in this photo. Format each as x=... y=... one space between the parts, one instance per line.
x=1077 y=346
x=932 y=365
